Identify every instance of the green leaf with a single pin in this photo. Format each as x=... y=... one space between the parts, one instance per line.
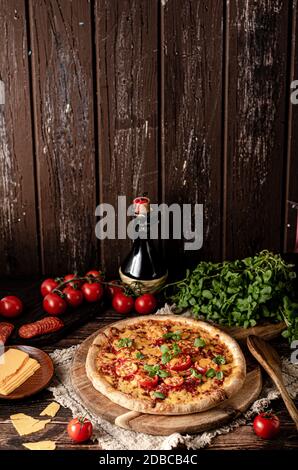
x=176 y=349
x=199 y=343
x=210 y=373
x=195 y=374
x=152 y=370
x=163 y=373
x=175 y=335
x=207 y=294
x=219 y=359
x=165 y=358
x=124 y=343
x=159 y=395
x=164 y=348
x=139 y=355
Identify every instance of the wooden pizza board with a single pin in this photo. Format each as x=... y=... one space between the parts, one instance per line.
x=101 y=406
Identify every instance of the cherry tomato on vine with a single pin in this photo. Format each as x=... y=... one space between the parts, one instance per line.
x=94 y=273
x=115 y=289
x=79 y=429
x=74 y=284
x=54 y=304
x=266 y=425
x=48 y=286
x=74 y=297
x=11 y=306
x=122 y=303
x=93 y=291
x=145 y=304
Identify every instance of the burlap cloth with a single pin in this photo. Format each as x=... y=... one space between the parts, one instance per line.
x=111 y=437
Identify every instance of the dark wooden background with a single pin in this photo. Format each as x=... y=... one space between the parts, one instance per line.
x=188 y=100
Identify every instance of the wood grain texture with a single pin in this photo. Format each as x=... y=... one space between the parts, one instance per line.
x=127 y=60
x=291 y=187
x=64 y=127
x=18 y=234
x=256 y=125
x=192 y=54
x=160 y=425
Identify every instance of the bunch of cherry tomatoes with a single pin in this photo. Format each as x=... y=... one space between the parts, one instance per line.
x=73 y=290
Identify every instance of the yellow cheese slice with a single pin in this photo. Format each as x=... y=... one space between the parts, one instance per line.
x=51 y=410
x=30 y=365
x=42 y=445
x=25 y=424
x=10 y=363
x=24 y=374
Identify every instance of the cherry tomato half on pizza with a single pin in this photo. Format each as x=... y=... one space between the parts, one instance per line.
x=148 y=383
x=180 y=363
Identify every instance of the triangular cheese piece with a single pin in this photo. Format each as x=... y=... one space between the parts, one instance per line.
x=25 y=424
x=24 y=374
x=10 y=363
x=42 y=445
x=51 y=410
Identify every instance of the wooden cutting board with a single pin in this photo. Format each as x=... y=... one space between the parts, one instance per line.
x=101 y=406
x=33 y=311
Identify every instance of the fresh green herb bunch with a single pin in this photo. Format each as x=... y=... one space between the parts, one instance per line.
x=242 y=292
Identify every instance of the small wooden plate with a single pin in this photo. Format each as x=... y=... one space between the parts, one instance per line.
x=39 y=380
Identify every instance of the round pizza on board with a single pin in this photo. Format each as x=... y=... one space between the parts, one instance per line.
x=165 y=365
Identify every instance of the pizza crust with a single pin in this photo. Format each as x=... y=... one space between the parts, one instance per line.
x=231 y=385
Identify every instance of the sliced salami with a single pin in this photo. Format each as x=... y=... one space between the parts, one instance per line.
x=5 y=331
x=41 y=327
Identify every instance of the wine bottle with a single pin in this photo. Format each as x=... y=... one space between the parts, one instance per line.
x=143 y=264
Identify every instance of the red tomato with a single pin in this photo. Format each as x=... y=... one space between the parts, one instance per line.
x=126 y=369
x=122 y=303
x=180 y=363
x=93 y=291
x=47 y=286
x=266 y=425
x=174 y=382
x=11 y=306
x=74 y=297
x=145 y=304
x=79 y=429
x=74 y=284
x=94 y=273
x=115 y=289
x=149 y=383
x=54 y=304
x=200 y=369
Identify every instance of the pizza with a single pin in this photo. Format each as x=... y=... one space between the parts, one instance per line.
x=165 y=364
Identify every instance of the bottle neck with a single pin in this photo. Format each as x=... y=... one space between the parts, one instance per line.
x=142 y=227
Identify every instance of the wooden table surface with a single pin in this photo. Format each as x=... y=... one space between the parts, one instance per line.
x=241 y=438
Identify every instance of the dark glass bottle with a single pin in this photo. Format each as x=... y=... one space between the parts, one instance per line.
x=143 y=263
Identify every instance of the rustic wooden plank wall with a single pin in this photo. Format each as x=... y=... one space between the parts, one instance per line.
x=192 y=48
x=185 y=99
x=127 y=71
x=18 y=234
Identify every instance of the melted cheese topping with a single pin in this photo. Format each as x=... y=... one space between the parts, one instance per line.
x=140 y=357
